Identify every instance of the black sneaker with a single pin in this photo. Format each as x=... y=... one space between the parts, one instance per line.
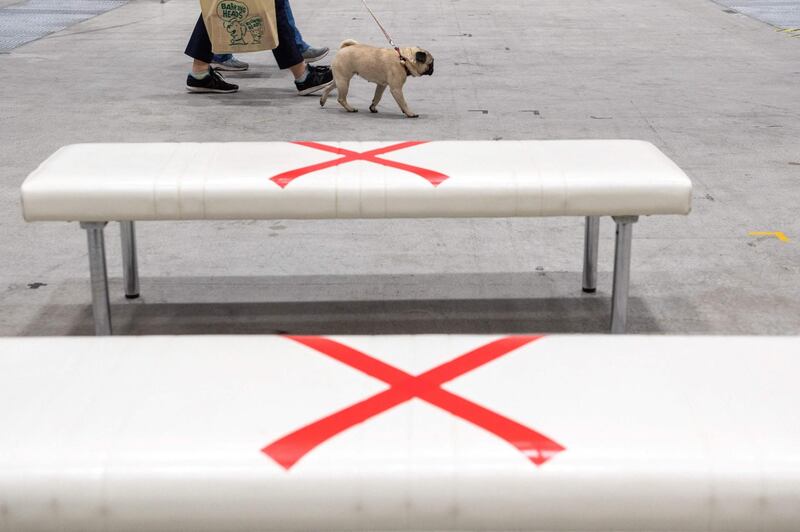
x=214 y=82
x=317 y=79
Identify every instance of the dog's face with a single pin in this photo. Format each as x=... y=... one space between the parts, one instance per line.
x=424 y=62
x=236 y=30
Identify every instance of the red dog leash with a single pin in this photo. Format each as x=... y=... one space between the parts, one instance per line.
x=388 y=38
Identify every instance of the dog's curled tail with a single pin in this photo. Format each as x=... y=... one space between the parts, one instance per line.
x=347 y=42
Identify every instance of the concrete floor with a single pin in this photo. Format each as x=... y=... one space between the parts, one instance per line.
x=716 y=91
x=780 y=13
x=25 y=21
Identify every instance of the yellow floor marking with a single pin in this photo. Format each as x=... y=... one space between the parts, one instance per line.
x=777 y=234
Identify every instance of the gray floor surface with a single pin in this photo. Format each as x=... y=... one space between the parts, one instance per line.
x=26 y=21
x=780 y=13
x=716 y=91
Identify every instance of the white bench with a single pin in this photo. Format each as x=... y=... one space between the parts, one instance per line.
x=578 y=433
x=97 y=183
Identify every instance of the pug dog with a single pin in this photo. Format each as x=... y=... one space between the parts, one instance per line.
x=381 y=66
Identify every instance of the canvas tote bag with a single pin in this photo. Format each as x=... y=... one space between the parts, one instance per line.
x=240 y=25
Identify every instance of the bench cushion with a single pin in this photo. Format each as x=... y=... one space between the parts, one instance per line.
x=524 y=433
x=285 y=180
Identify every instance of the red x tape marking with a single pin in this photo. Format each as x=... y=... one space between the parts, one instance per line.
x=288 y=450
x=348 y=156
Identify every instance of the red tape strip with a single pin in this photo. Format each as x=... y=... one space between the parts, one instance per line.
x=284 y=179
x=288 y=450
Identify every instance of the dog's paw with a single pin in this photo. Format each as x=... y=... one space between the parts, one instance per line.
x=352 y=110
x=413 y=116
x=373 y=109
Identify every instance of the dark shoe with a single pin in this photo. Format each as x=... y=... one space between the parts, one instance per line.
x=317 y=79
x=214 y=82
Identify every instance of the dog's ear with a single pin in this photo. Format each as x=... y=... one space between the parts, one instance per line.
x=421 y=57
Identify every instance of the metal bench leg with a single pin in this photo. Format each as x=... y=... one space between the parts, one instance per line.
x=591 y=241
x=622 y=273
x=101 y=307
x=130 y=263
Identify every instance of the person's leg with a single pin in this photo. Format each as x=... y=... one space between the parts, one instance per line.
x=298 y=38
x=310 y=54
x=307 y=79
x=286 y=53
x=199 y=47
x=202 y=77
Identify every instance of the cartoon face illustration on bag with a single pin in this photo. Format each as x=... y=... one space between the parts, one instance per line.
x=237 y=31
x=255 y=26
x=233 y=15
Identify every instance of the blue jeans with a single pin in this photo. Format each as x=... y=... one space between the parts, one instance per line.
x=302 y=45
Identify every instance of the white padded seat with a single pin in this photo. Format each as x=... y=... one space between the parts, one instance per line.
x=97 y=183
x=191 y=181
x=561 y=433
